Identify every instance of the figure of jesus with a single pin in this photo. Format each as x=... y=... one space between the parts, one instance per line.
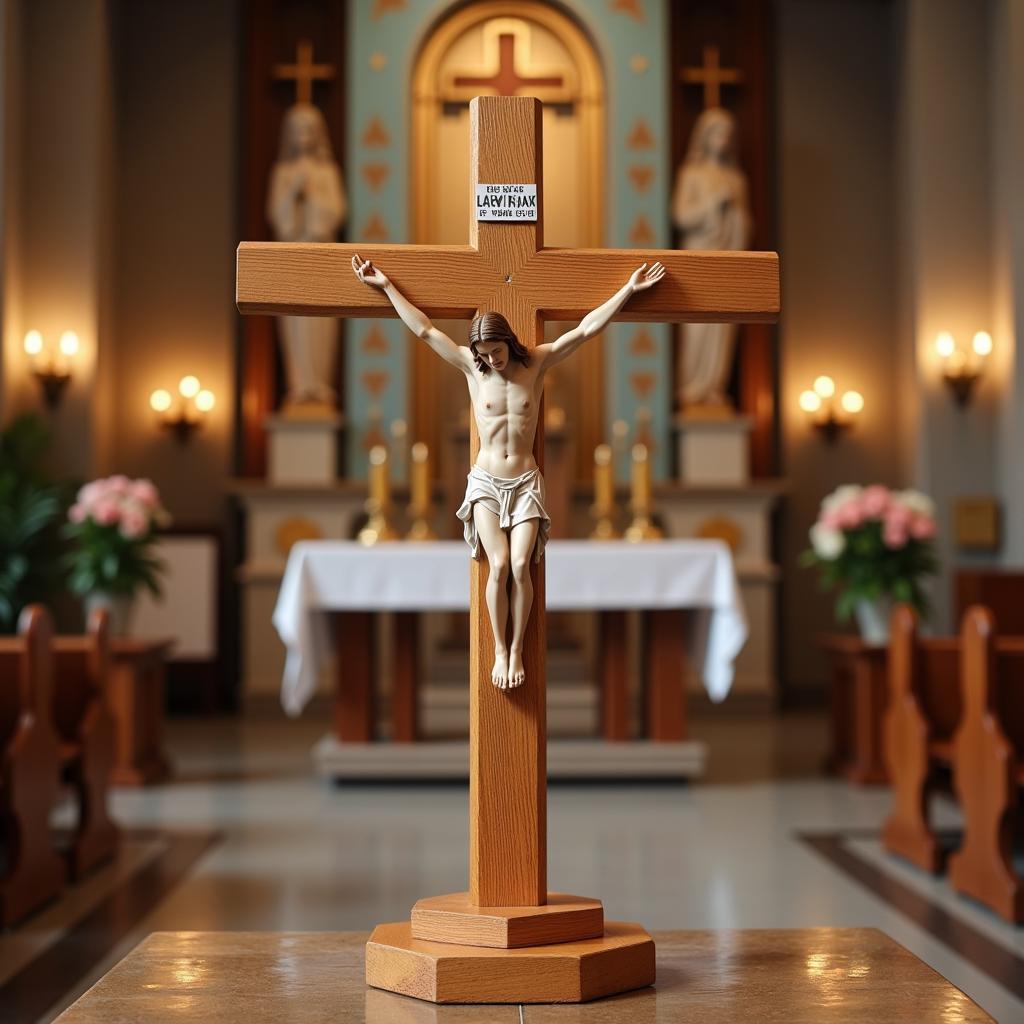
x=503 y=511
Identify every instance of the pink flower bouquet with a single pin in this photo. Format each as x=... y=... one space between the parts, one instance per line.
x=112 y=525
x=874 y=543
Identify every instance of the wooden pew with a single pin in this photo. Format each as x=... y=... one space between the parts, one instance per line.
x=957 y=704
x=33 y=872
x=988 y=765
x=86 y=730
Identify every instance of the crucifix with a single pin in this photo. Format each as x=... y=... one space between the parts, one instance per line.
x=304 y=72
x=507 y=939
x=712 y=76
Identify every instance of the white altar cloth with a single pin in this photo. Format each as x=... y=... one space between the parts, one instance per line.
x=331 y=576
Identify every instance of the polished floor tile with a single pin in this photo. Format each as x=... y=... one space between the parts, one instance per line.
x=299 y=853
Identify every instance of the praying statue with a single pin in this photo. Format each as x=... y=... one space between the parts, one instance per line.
x=710 y=208
x=307 y=204
x=504 y=511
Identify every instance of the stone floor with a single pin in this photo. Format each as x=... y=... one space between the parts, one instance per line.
x=246 y=838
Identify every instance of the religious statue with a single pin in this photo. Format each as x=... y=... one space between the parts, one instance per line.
x=504 y=506
x=307 y=204
x=710 y=207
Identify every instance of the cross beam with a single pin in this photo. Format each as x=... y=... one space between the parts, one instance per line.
x=506 y=269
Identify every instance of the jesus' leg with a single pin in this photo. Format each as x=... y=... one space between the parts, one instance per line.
x=495 y=545
x=522 y=540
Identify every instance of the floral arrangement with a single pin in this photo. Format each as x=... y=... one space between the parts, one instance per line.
x=874 y=543
x=112 y=525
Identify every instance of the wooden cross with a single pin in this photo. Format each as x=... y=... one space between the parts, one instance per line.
x=712 y=77
x=506 y=268
x=506 y=81
x=304 y=72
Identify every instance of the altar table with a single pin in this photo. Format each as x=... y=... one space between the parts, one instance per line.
x=843 y=975
x=687 y=588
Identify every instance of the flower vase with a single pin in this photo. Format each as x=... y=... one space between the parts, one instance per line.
x=119 y=607
x=873 y=619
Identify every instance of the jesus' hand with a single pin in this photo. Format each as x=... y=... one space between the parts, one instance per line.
x=642 y=278
x=368 y=273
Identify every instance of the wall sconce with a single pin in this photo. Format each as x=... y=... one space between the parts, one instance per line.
x=828 y=412
x=51 y=369
x=961 y=370
x=188 y=412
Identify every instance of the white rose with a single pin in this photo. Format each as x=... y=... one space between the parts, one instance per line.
x=916 y=502
x=827 y=542
x=841 y=495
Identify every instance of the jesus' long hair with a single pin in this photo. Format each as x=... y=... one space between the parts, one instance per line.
x=494 y=327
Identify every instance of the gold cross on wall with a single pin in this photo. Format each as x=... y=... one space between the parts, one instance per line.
x=303 y=72
x=712 y=76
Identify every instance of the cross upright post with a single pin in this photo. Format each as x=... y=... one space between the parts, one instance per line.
x=506 y=268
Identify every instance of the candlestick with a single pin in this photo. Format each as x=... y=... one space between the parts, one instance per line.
x=642 y=528
x=419 y=497
x=378 y=504
x=603 y=509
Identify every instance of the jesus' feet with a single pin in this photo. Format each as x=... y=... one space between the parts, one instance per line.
x=516 y=672
x=499 y=674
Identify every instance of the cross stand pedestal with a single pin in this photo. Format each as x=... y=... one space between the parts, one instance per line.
x=507 y=940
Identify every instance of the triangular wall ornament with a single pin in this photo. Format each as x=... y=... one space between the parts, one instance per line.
x=640 y=135
x=375 y=134
x=374 y=230
x=641 y=233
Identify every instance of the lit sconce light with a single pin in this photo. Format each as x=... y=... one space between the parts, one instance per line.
x=51 y=369
x=828 y=412
x=184 y=414
x=961 y=370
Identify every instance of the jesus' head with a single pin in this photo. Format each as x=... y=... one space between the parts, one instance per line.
x=493 y=343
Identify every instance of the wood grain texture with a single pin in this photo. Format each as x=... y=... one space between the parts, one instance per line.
x=613 y=641
x=858 y=698
x=454 y=918
x=986 y=777
x=907 y=831
x=665 y=673
x=570 y=972
x=507 y=728
x=87 y=730
x=355 y=642
x=715 y=977
x=33 y=871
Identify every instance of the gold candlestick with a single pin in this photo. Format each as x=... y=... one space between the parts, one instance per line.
x=642 y=528
x=603 y=509
x=378 y=504
x=419 y=494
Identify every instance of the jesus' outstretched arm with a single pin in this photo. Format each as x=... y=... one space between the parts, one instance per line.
x=596 y=320
x=415 y=319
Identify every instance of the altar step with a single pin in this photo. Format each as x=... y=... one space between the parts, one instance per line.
x=438 y=760
x=572 y=710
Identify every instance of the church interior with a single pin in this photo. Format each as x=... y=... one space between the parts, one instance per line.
x=736 y=648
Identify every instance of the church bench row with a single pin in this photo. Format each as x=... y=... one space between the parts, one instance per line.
x=55 y=728
x=956 y=704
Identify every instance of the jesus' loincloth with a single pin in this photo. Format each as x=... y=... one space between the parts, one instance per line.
x=513 y=500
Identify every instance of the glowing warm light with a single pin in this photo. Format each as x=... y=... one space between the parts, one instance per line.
x=853 y=402
x=33 y=343
x=825 y=386
x=189 y=386
x=944 y=344
x=982 y=343
x=160 y=400
x=205 y=401
x=810 y=401
x=69 y=343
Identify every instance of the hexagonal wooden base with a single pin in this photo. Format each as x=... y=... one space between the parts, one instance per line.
x=455 y=919
x=569 y=972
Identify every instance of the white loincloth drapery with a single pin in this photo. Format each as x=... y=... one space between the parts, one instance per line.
x=513 y=500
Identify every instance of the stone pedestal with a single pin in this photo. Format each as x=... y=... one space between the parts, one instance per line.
x=303 y=449
x=713 y=451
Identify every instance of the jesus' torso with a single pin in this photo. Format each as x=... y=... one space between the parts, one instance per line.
x=506 y=405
